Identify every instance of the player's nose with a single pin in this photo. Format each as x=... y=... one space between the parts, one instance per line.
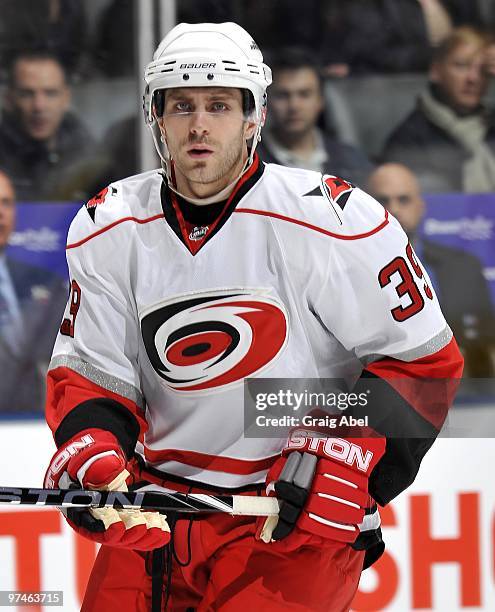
x=199 y=122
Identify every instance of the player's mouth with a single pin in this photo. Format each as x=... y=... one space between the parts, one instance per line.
x=199 y=151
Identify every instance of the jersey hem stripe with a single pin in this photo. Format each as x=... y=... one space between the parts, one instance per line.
x=74 y=245
x=315 y=228
x=214 y=463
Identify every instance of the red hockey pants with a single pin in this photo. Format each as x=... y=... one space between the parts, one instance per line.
x=230 y=571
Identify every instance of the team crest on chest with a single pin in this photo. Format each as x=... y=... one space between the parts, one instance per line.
x=205 y=340
x=198 y=233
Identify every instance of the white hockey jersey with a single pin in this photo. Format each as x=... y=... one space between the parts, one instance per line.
x=302 y=276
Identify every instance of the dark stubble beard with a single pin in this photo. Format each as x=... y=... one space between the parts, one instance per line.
x=223 y=168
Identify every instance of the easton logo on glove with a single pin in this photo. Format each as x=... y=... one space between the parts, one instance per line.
x=334 y=448
x=324 y=489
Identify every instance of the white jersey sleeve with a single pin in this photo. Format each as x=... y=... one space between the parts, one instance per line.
x=96 y=350
x=377 y=298
x=379 y=303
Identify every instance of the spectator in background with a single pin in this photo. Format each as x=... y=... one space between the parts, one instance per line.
x=57 y=25
x=381 y=36
x=40 y=139
x=295 y=106
x=449 y=138
x=457 y=276
x=32 y=302
x=113 y=159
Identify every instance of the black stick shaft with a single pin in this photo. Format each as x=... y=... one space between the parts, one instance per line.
x=139 y=500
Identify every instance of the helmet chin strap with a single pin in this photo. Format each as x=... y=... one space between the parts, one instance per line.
x=167 y=165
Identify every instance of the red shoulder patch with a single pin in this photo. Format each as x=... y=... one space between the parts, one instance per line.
x=338 y=190
x=95 y=201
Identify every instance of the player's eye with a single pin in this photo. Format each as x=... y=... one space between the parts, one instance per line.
x=218 y=107
x=182 y=107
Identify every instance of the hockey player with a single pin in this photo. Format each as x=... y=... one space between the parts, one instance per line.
x=186 y=281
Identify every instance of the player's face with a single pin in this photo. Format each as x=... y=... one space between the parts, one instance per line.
x=39 y=97
x=7 y=209
x=397 y=189
x=296 y=101
x=462 y=76
x=206 y=132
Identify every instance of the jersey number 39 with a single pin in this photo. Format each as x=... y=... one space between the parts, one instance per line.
x=407 y=286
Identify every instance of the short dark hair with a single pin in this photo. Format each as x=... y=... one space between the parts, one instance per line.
x=32 y=54
x=293 y=58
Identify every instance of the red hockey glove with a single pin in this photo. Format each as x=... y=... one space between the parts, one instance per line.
x=323 y=487
x=94 y=459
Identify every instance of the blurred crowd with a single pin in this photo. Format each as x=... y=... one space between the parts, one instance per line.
x=394 y=95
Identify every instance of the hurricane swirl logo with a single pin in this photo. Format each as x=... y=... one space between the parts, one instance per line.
x=207 y=340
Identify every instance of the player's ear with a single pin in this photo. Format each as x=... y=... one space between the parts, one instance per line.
x=249 y=129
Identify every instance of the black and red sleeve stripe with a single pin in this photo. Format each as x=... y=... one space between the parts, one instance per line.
x=408 y=405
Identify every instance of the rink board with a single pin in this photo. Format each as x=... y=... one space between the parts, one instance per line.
x=440 y=534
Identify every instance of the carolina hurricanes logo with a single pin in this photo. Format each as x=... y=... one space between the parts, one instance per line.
x=337 y=189
x=207 y=340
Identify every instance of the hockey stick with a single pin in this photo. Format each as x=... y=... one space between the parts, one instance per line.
x=141 y=500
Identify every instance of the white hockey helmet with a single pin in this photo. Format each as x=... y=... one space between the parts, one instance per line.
x=208 y=55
